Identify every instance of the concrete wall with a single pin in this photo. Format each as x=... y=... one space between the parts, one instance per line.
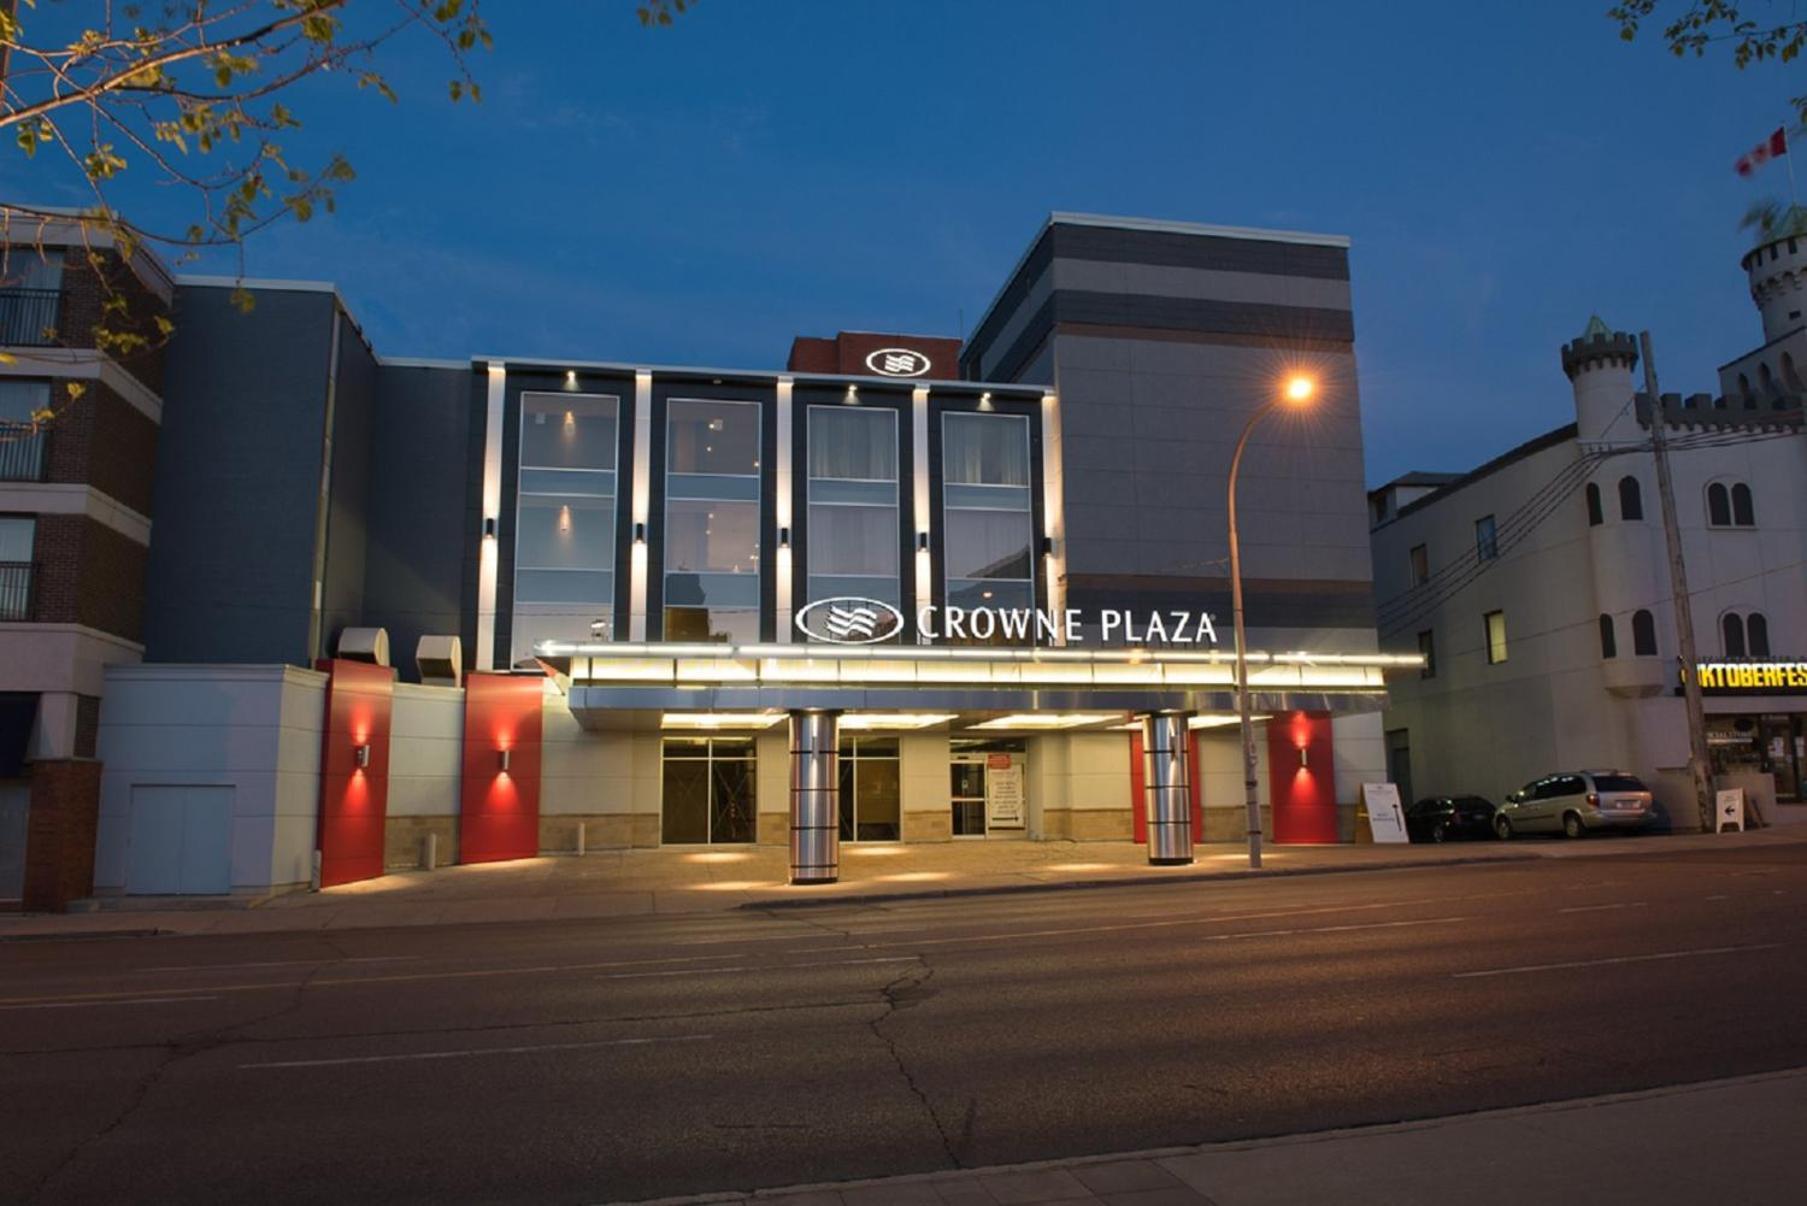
x=426 y=739
x=252 y=730
x=591 y=779
x=1079 y=786
x=923 y=760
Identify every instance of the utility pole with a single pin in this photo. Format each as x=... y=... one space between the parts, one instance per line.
x=1684 y=603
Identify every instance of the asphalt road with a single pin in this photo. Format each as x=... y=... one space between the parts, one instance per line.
x=595 y=1061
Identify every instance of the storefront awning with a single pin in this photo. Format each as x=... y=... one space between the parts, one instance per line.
x=621 y=685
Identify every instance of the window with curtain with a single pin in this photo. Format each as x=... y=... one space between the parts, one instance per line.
x=1609 y=641
x=1643 y=634
x=988 y=535
x=712 y=520
x=853 y=503
x=1494 y=627
x=564 y=554
x=1631 y=499
x=1486 y=538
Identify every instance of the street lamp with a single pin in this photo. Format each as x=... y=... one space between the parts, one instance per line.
x=1296 y=392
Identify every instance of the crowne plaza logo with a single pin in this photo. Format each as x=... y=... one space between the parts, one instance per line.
x=897 y=362
x=849 y=620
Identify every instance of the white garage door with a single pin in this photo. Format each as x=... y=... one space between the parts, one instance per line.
x=181 y=841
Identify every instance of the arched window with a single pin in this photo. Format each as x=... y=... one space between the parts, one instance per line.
x=1719 y=506
x=1744 y=511
x=1631 y=499
x=1744 y=392
x=1766 y=381
x=1733 y=629
x=1643 y=634
x=1609 y=642
x=1595 y=516
x=1790 y=377
x=1758 y=629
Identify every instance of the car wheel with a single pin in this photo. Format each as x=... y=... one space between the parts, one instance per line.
x=1439 y=832
x=1572 y=826
x=1502 y=829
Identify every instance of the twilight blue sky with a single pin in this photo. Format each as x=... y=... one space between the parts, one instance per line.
x=703 y=193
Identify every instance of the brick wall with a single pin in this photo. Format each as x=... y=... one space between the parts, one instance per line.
x=85 y=289
x=88 y=573
x=105 y=441
x=59 y=833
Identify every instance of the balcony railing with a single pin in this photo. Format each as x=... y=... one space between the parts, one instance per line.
x=15 y=590
x=24 y=452
x=29 y=317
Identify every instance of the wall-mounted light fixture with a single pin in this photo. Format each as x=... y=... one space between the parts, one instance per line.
x=1047 y=546
x=570 y=376
x=489 y=527
x=922 y=542
x=502 y=760
x=985 y=401
x=361 y=756
x=1304 y=757
x=784 y=538
x=639 y=533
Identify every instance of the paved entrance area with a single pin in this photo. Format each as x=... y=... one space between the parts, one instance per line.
x=610 y=883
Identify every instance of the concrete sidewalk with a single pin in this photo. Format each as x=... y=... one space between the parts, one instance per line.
x=1729 y=1140
x=616 y=883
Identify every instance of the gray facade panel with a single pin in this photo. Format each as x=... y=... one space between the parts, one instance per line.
x=424 y=507
x=348 y=515
x=238 y=478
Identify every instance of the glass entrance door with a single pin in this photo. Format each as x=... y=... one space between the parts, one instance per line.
x=987 y=786
x=967 y=793
x=708 y=792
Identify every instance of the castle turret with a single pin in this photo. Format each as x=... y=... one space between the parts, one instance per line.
x=1599 y=365
x=1778 y=274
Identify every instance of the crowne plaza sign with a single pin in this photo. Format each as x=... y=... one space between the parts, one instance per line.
x=1752 y=678
x=849 y=620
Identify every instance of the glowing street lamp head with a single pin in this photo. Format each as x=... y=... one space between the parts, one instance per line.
x=1299 y=389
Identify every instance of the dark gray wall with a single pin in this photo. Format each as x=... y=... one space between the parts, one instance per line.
x=420 y=559
x=238 y=476
x=354 y=416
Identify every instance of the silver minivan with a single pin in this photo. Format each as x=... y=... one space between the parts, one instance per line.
x=1575 y=804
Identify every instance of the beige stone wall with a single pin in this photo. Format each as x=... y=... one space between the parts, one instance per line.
x=928 y=826
x=922 y=767
x=404 y=840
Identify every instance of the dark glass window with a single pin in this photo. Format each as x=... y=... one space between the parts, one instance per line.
x=1421 y=565
x=1595 y=517
x=1486 y=538
x=1427 y=645
x=1719 y=506
x=1631 y=499
x=1618 y=783
x=709 y=790
x=1732 y=626
x=871 y=790
x=988 y=525
x=1744 y=512
x=1609 y=641
x=1643 y=634
x=1757 y=628
x=712 y=520
x=564 y=551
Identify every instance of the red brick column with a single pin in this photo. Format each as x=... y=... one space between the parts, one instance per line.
x=59 y=833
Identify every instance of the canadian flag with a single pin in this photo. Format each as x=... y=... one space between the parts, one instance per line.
x=1762 y=153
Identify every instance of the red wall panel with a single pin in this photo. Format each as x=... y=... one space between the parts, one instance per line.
x=354 y=800
x=499 y=811
x=1302 y=792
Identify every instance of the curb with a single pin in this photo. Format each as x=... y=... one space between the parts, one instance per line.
x=1130 y=881
x=81 y=936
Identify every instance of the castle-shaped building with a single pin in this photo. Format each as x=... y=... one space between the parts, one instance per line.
x=1538 y=585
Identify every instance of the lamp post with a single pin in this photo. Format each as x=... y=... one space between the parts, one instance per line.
x=1296 y=392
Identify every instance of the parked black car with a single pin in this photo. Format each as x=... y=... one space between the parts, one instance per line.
x=1450 y=819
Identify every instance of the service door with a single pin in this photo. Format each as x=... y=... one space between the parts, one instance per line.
x=181 y=841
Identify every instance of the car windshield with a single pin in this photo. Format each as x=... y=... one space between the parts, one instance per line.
x=1617 y=783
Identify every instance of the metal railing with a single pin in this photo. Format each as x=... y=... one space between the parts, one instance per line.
x=28 y=317
x=24 y=452
x=15 y=590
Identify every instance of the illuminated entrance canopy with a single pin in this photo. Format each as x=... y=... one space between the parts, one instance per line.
x=852 y=620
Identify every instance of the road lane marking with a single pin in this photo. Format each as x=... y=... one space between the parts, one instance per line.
x=743 y=971
x=186 y=967
x=470 y=1052
x=92 y=1004
x=1543 y=967
x=1621 y=904
x=1720 y=896
x=1333 y=929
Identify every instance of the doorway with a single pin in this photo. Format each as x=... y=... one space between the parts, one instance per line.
x=1399 y=763
x=707 y=797
x=988 y=787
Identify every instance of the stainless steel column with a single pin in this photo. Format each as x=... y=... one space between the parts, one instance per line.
x=1167 y=787
x=815 y=797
